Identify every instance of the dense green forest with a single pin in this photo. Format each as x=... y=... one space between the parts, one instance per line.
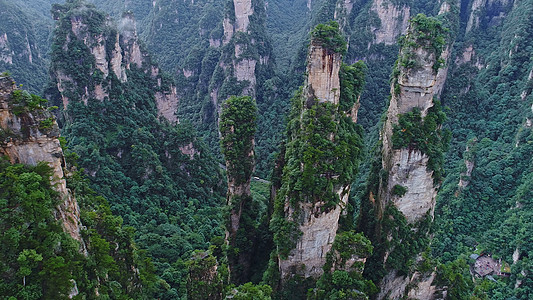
x=158 y=188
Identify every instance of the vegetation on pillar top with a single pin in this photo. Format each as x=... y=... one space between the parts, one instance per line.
x=322 y=154
x=426 y=32
x=237 y=127
x=329 y=36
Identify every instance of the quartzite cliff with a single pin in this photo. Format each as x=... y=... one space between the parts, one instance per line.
x=29 y=136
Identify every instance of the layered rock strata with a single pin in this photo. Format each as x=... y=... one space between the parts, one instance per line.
x=318 y=228
x=313 y=212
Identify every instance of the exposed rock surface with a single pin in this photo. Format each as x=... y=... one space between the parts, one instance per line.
x=115 y=51
x=6 y=54
x=243 y=11
x=319 y=230
x=464 y=180
x=323 y=68
x=244 y=68
x=410 y=171
x=406 y=167
x=28 y=144
x=492 y=10
x=394 y=21
x=318 y=226
x=167 y=104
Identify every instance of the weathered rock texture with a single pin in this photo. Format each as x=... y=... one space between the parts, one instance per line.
x=237 y=129
x=6 y=54
x=319 y=230
x=317 y=225
x=115 y=51
x=244 y=66
x=394 y=21
x=26 y=143
x=407 y=167
x=323 y=74
x=493 y=11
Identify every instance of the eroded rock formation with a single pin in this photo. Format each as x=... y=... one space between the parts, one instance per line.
x=237 y=129
x=315 y=187
x=323 y=74
x=490 y=12
x=26 y=140
x=393 y=18
x=318 y=227
x=243 y=65
x=403 y=200
x=113 y=52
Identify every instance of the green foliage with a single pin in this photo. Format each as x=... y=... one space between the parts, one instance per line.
x=425 y=135
x=24 y=50
x=352 y=80
x=343 y=279
x=329 y=36
x=322 y=153
x=426 y=32
x=492 y=211
x=39 y=260
x=349 y=244
x=398 y=190
x=237 y=129
x=456 y=277
x=204 y=282
x=158 y=177
x=46 y=123
x=249 y=291
x=24 y=102
x=407 y=239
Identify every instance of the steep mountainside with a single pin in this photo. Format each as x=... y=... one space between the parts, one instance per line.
x=321 y=159
x=463 y=77
x=23 y=44
x=117 y=112
x=486 y=196
x=399 y=207
x=53 y=246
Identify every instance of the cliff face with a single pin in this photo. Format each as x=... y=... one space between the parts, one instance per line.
x=315 y=184
x=410 y=169
x=487 y=13
x=393 y=18
x=236 y=22
x=318 y=227
x=323 y=74
x=237 y=129
x=23 y=45
x=415 y=88
x=113 y=52
x=27 y=140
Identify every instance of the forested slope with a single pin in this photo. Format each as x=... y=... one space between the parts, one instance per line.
x=158 y=176
x=120 y=115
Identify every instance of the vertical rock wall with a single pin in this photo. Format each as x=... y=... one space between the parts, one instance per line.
x=317 y=222
x=28 y=144
x=115 y=51
x=323 y=74
x=244 y=66
x=407 y=167
x=394 y=21
x=408 y=182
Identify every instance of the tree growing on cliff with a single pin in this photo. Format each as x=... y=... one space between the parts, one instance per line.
x=237 y=129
